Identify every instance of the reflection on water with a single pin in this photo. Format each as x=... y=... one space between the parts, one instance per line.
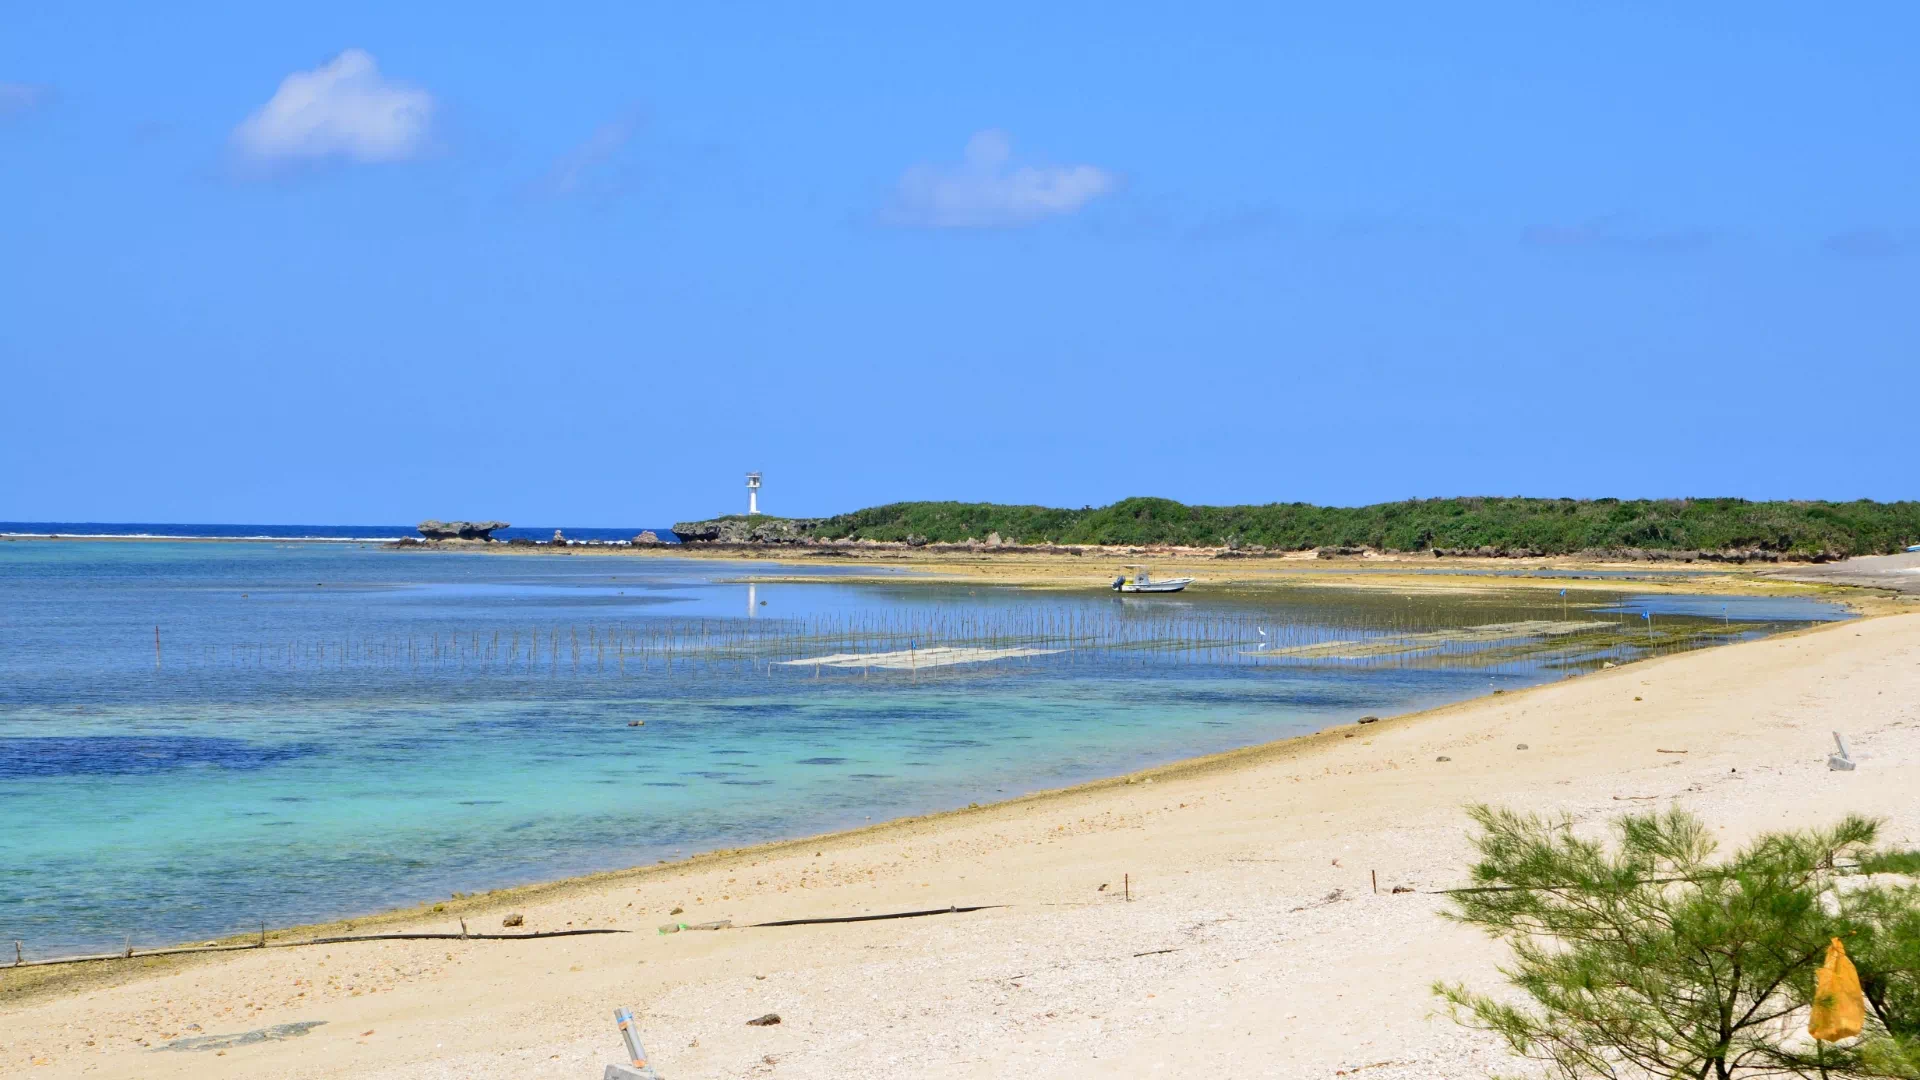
x=322 y=730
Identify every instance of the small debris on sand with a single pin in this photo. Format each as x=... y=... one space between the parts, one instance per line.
x=764 y=1021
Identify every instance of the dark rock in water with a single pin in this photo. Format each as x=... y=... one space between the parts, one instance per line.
x=434 y=529
x=757 y=529
x=557 y=538
x=523 y=541
x=1369 y=719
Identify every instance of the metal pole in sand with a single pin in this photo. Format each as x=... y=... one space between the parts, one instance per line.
x=630 y=1033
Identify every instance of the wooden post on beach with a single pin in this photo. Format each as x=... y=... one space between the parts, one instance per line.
x=19 y=957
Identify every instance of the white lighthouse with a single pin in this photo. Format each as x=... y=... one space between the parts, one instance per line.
x=753 y=493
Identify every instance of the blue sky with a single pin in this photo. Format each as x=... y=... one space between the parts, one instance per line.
x=587 y=264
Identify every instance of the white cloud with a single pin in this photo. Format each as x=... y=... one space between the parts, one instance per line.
x=342 y=109
x=987 y=189
x=17 y=98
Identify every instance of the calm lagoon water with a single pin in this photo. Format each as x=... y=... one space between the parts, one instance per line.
x=332 y=729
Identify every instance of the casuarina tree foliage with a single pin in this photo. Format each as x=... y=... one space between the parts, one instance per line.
x=1648 y=956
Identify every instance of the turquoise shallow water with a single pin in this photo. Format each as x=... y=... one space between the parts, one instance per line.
x=332 y=729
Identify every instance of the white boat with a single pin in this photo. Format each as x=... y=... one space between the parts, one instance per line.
x=1144 y=582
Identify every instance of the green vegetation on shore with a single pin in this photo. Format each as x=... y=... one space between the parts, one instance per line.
x=1546 y=526
x=1652 y=957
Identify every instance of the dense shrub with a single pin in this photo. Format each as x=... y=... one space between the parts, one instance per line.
x=1549 y=526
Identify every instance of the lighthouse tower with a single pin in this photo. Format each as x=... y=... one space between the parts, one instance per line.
x=753 y=493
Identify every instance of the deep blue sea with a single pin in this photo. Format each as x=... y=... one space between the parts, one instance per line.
x=196 y=738
x=298 y=532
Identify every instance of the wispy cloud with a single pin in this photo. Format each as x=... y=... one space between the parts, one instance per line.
x=1617 y=233
x=1874 y=243
x=18 y=98
x=987 y=189
x=587 y=169
x=343 y=109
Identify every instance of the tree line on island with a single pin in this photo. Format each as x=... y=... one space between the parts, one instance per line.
x=1463 y=526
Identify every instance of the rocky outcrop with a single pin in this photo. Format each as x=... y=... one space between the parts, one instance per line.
x=648 y=538
x=1730 y=555
x=434 y=529
x=1661 y=555
x=748 y=530
x=1488 y=551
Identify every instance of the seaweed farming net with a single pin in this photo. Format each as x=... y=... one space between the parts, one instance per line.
x=943 y=642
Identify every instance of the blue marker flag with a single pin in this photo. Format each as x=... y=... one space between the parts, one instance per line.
x=1647 y=615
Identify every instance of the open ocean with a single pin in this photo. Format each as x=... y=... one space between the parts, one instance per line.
x=197 y=738
x=160 y=530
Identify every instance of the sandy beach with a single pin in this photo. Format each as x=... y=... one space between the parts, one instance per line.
x=1217 y=917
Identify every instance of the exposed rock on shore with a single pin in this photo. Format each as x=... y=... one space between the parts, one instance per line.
x=435 y=529
x=748 y=530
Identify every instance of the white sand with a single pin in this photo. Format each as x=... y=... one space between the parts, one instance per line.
x=912 y=659
x=1234 y=867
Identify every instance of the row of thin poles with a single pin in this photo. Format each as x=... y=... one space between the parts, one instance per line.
x=677 y=645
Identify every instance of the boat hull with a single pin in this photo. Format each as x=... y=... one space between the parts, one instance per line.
x=1155 y=586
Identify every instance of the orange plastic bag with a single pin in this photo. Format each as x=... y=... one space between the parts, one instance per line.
x=1839 y=1007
